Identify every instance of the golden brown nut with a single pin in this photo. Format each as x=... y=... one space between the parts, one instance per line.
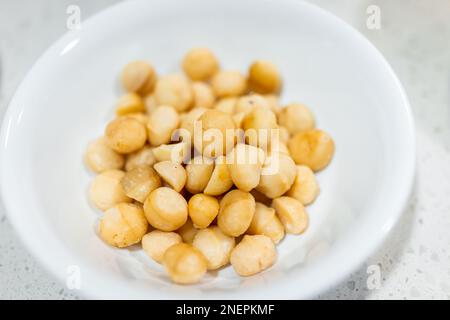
x=139 y=182
x=292 y=214
x=188 y=231
x=165 y=209
x=248 y=103
x=226 y=105
x=106 y=190
x=313 y=148
x=266 y=222
x=245 y=165
x=100 y=157
x=172 y=173
x=236 y=212
x=220 y=181
x=296 y=117
x=156 y=243
x=215 y=133
x=130 y=103
x=125 y=135
x=305 y=188
x=277 y=176
x=215 y=246
x=273 y=101
x=228 y=84
x=198 y=171
x=264 y=77
x=139 y=116
x=174 y=90
x=162 y=122
x=253 y=255
x=177 y=152
x=184 y=263
x=203 y=209
x=203 y=95
x=139 y=77
x=123 y=225
x=260 y=125
x=143 y=157
x=200 y=64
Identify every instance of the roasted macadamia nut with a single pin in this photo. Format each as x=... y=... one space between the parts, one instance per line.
x=177 y=152
x=291 y=213
x=313 y=148
x=184 y=263
x=166 y=209
x=253 y=255
x=248 y=103
x=266 y=222
x=226 y=105
x=215 y=134
x=130 y=103
x=198 y=171
x=236 y=212
x=296 y=117
x=125 y=135
x=203 y=95
x=203 y=209
x=220 y=181
x=215 y=246
x=174 y=90
x=150 y=103
x=139 y=77
x=260 y=125
x=277 y=176
x=305 y=188
x=200 y=64
x=188 y=231
x=189 y=119
x=100 y=157
x=106 y=190
x=245 y=165
x=161 y=123
x=263 y=77
x=156 y=243
x=139 y=182
x=143 y=157
x=123 y=225
x=172 y=173
x=229 y=84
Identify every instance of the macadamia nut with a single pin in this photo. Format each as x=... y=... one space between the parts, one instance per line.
x=143 y=157
x=253 y=255
x=266 y=222
x=203 y=95
x=203 y=209
x=162 y=122
x=174 y=90
x=172 y=173
x=277 y=175
x=305 y=188
x=100 y=157
x=139 y=182
x=123 y=225
x=264 y=77
x=166 y=209
x=177 y=152
x=296 y=117
x=215 y=246
x=313 y=148
x=139 y=77
x=236 y=212
x=125 y=135
x=156 y=243
x=228 y=84
x=260 y=125
x=184 y=263
x=220 y=181
x=106 y=190
x=130 y=103
x=198 y=174
x=188 y=231
x=291 y=213
x=200 y=64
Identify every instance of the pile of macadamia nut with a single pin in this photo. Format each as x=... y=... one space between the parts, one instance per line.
x=206 y=168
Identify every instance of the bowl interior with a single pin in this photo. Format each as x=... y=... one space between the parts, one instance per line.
x=70 y=94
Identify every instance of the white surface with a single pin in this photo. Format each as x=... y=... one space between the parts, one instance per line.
x=415 y=262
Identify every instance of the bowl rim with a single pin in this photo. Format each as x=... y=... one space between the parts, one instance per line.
x=359 y=257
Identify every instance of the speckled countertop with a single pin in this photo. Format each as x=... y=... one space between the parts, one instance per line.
x=414 y=37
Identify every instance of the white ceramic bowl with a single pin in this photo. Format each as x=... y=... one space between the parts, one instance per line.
x=68 y=96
